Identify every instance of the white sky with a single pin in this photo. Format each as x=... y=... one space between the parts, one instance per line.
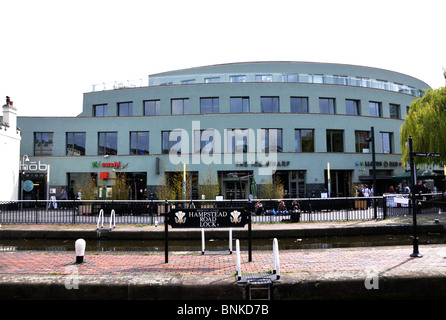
x=52 y=51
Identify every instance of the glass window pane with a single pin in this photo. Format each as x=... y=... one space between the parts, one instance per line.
x=152 y=108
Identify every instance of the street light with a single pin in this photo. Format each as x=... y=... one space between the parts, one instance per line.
x=25 y=158
x=371 y=139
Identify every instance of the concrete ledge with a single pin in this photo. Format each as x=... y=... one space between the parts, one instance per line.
x=292 y=287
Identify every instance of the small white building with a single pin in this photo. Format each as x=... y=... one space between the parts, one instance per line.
x=10 y=137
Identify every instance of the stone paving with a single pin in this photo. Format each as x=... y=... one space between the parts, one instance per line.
x=333 y=264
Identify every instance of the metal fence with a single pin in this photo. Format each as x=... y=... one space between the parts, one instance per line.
x=149 y=212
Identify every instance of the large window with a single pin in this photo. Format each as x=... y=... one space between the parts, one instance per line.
x=327 y=105
x=269 y=104
x=299 y=104
x=264 y=78
x=151 y=108
x=361 y=144
x=204 y=141
x=171 y=141
x=239 y=104
x=352 y=107
x=209 y=105
x=386 y=142
x=43 y=143
x=180 y=106
x=107 y=143
x=394 y=110
x=100 y=110
x=237 y=78
x=304 y=140
x=125 y=109
x=237 y=140
x=75 y=144
x=335 y=141
x=375 y=109
x=271 y=140
x=139 y=142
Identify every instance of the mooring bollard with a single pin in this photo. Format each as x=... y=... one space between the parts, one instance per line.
x=80 y=250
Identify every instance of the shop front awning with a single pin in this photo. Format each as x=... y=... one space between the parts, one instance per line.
x=421 y=175
x=378 y=177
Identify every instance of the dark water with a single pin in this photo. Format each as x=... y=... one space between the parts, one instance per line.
x=218 y=244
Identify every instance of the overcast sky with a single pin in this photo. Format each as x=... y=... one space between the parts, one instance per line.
x=53 y=51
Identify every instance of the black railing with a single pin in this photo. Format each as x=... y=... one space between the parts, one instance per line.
x=152 y=211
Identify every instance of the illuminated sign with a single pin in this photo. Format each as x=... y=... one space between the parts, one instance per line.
x=97 y=164
x=34 y=166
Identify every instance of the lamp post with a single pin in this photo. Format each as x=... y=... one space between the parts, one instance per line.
x=25 y=158
x=415 y=253
x=371 y=139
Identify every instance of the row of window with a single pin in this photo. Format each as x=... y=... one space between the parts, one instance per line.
x=208 y=141
x=294 y=78
x=241 y=105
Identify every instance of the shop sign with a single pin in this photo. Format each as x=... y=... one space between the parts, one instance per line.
x=263 y=164
x=379 y=163
x=28 y=185
x=98 y=164
x=34 y=166
x=208 y=218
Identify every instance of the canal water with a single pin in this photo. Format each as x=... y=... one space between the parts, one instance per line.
x=217 y=244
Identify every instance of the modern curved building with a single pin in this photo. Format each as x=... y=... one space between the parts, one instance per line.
x=305 y=123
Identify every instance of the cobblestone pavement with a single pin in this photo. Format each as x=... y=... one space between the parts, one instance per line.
x=387 y=261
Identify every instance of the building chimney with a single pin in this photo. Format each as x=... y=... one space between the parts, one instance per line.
x=10 y=116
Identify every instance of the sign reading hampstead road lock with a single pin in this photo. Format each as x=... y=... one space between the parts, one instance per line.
x=208 y=218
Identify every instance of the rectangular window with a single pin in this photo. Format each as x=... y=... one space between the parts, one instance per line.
x=107 y=143
x=395 y=111
x=299 y=104
x=375 y=109
x=361 y=144
x=269 y=104
x=151 y=108
x=125 y=109
x=209 y=105
x=139 y=142
x=212 y=80
x=75 y=143
x=264 y=78
x=204 y=141
x=335 y=141
x=180 y=106
x=271 y=140
x=327 y=105
x=352 y=107
x=291 y=78
x=171 y=141
x=237 y=140
x=239 y=104
x=100 y=110
x=237 y=78
x=43 y=143
x=386 y=142
x=304 y=140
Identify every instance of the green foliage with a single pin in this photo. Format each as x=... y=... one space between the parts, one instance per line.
x=271 y=189
x=209 y=185
x=121 y=188
x=426 y=123
x=88 y=187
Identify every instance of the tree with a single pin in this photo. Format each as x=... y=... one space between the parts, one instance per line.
x=209 y=185
x=426 y=123
x=271 y=189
